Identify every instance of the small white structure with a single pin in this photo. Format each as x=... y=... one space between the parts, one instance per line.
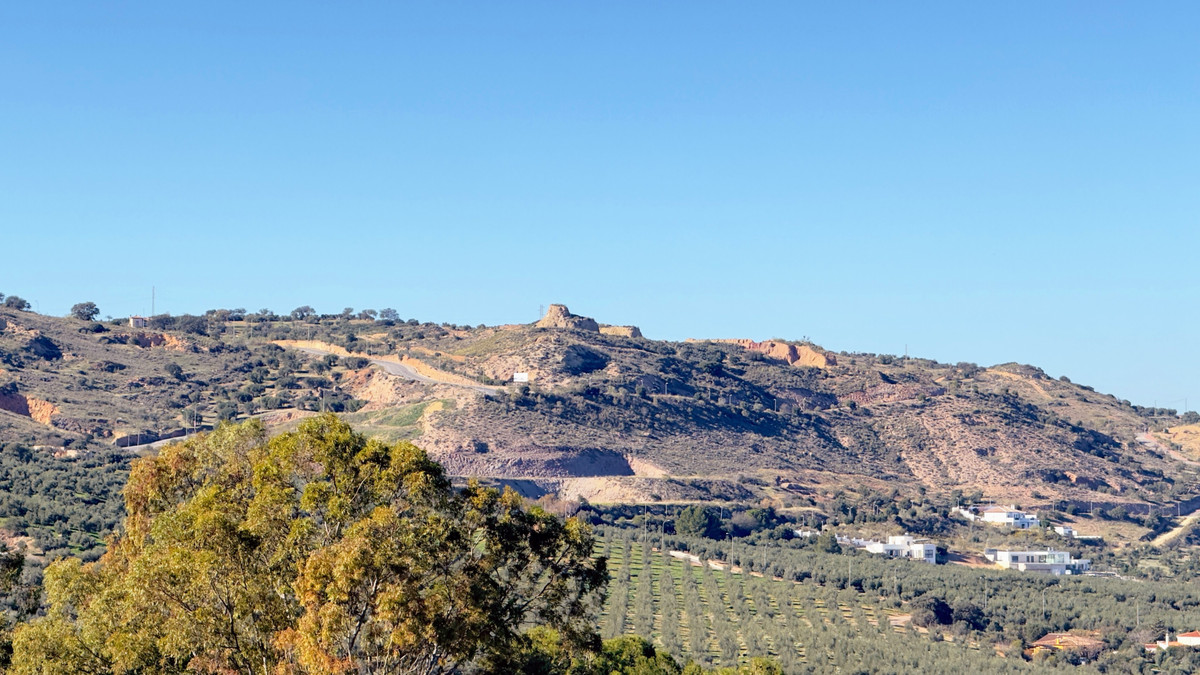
x=520 y=377
x=137 y=322
x=1009 y=516
x=904 y=546
x=1046 y=561
x=1189 y=639
x=1071 y=533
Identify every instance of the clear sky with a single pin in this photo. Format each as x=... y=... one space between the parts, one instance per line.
x=983 y=182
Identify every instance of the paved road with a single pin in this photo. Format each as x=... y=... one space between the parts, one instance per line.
x=1147 y=439
x=390 y=367
x=401 y=370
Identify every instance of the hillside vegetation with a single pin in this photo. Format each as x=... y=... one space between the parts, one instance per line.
x=606 y=414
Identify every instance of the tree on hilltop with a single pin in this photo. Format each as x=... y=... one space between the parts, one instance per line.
x=16 y=302
x=303 y=312
x=85 y=311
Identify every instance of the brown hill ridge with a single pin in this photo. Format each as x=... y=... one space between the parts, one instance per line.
x=601 y=405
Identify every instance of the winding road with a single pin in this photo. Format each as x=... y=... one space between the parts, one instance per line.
x=406 y=372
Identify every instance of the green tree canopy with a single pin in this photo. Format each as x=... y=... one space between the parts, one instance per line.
x=312 y=552
x=16 y=302
x=85 y=311
x=697 y=521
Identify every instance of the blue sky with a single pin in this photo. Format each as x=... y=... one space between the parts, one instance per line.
x=980 y=182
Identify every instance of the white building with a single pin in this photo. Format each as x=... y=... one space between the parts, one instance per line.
x=137 y=322
x=1189 y=639
x=1009 y=517
x=1071 y=533
x=904 y=546
x=1046 y=561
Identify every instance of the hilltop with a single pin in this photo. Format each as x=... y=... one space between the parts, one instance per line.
x=601 y=412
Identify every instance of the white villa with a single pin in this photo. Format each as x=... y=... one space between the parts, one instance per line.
x=1046 y=561
x=905 y=546
x=902 y=546
x=1009 y=517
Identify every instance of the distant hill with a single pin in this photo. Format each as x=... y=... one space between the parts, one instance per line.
x=606 y=414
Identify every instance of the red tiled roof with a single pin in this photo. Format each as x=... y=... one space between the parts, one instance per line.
x=1191 y=633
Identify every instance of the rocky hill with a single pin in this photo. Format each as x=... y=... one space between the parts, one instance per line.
x=600 y=412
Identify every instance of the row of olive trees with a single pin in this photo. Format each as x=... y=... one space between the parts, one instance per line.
x=808 y=627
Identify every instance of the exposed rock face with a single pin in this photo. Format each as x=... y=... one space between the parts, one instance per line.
x=36 y=409
x=558 y=316
x=624 y=331
x=796 y=355
x=169 y=342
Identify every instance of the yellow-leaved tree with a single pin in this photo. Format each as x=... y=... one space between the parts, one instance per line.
x=313 y=552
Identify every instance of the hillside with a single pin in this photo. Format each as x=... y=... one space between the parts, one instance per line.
x=606 y=414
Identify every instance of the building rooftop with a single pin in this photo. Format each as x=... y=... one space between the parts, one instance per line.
x=1069 y=641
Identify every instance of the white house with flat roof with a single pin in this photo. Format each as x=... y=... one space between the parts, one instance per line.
x=1008 y=516
x=1047 y=561
x=904 y=546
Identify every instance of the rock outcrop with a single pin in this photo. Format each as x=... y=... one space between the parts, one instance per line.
x=36 y=409
x=796 y=355
x=168 y=342
x=623 y=331
x=558 y=316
